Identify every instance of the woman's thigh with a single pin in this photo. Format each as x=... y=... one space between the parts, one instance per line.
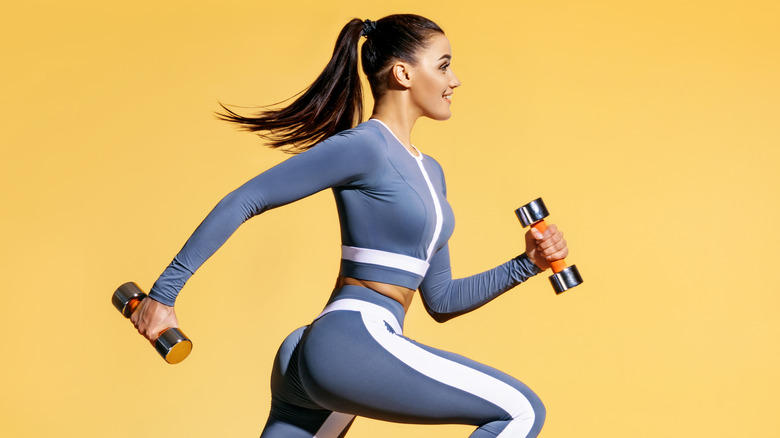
x=351 y=362
x=293 y=414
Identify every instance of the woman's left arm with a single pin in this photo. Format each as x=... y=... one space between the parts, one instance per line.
x=445 y=298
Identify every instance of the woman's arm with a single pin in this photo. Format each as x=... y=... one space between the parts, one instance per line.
x=346 y=158
x=445 y=298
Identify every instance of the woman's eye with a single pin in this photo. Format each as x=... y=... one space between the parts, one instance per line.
x=444 y=67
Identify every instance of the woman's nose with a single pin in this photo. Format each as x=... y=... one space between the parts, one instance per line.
x=455 y=82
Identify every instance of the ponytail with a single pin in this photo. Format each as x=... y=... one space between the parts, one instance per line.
x=332 y=103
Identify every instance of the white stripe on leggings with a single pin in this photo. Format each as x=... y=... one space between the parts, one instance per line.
x=334 y=425
x=459 y=376
x=377 y=312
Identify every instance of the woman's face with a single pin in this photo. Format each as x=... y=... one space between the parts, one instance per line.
x=433 y=79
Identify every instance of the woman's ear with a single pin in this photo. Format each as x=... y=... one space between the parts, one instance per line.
x=400 y=73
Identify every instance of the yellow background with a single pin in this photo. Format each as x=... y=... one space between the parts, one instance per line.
x=649 y=128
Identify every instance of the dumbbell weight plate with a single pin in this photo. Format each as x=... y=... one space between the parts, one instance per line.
x=126 y=298
x=532 y=212
x=173 y=345
x=566 y=279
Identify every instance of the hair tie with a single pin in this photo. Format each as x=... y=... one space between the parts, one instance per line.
x=368 y=27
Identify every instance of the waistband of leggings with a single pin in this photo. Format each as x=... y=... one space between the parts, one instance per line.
x=363 y=299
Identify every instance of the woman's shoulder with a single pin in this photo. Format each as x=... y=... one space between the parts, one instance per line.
x=434 y=163
x=365 y=140
x=364 y=134
x=361 y=149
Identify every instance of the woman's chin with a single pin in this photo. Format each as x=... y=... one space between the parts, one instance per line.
x=440 y=117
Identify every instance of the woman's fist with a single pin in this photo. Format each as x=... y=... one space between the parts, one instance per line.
x=545 y=248
x=152 y=318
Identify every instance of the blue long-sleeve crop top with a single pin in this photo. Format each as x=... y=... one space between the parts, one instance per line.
x=394 y=215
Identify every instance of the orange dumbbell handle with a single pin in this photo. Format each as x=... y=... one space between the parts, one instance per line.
x=556 y=265
x=133 y=304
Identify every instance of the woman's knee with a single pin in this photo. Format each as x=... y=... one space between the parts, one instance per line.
x=537 y=415
x=540 y=411
x=529 y=416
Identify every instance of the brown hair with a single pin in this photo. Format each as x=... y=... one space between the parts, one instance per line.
x=334 y=101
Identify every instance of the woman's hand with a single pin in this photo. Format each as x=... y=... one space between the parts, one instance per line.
x=152 y=318
x=545 y=248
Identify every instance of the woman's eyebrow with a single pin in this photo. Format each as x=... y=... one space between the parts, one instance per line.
x=446 y=56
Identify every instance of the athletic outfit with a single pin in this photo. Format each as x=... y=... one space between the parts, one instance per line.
x=353 y=359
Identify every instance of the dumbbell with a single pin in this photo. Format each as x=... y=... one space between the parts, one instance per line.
x=172 y=344
x=564 y=278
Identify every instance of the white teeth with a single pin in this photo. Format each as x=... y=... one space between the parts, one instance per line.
x=448 y=97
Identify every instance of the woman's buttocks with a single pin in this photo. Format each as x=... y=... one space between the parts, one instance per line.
x=339 y=346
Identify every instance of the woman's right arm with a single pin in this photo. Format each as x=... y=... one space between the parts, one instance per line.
x=349 y=157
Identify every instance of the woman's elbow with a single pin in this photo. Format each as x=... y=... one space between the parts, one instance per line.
x=439 y=317
x=435 y=305
x=243 y=202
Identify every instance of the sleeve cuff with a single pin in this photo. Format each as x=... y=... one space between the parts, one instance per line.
x=527 y=266
x=167 y=287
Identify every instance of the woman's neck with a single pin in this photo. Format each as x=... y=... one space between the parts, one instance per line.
x=392 y=113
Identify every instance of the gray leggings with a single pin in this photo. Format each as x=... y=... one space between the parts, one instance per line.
x=353 y=360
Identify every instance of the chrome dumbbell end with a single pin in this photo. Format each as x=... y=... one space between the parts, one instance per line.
x=566 y=279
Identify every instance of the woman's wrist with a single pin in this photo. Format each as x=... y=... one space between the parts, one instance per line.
x=161 y=299
x=530 y=261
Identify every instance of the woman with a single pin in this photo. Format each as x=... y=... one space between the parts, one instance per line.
x=395 y=223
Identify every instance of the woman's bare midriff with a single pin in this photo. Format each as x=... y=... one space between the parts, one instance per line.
x=398 y=293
